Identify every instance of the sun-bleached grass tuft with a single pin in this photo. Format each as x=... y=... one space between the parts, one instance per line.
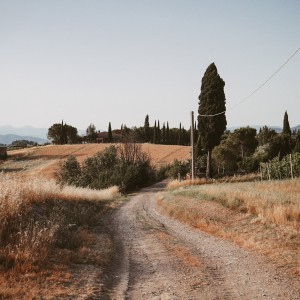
x=89 y=194
x=201 y=181
x=174 y=184
x=16 y=190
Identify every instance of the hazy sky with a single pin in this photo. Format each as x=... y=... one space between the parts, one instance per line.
x=112 y=61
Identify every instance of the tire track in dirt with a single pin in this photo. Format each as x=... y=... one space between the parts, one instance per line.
x=158 y=258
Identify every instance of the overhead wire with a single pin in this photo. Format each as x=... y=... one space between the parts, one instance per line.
x=257 y=89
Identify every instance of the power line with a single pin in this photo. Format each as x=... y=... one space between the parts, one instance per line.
x=256 y=90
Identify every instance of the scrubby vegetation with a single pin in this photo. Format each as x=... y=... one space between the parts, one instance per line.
x=125 y=166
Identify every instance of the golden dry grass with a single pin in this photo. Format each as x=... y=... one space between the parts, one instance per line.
x=44 y=229
x=261 y=216
x=275 y=202
x=201 y=181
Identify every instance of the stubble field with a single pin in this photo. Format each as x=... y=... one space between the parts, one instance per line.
x=44 y=161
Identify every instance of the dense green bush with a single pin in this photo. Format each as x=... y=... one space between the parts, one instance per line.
x=178 y=168
x=125 y=166
x=70 y=171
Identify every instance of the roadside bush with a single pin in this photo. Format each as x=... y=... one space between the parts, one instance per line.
x=179 y=168
x=162 y=172
x=125 y=166
x=70 y=171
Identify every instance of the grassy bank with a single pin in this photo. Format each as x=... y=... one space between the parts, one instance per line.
x=44 y=230
x=262 y=216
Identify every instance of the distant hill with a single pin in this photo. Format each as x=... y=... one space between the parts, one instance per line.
x=24 y=131
x=9 y=138
x=296 y=128
x=28 y=131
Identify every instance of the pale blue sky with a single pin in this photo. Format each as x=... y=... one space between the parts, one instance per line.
x=116 y=61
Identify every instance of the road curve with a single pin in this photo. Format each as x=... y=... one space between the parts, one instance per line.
x=157 y=258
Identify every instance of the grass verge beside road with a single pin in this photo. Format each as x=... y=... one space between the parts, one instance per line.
x=261 y=216
x=45 y=230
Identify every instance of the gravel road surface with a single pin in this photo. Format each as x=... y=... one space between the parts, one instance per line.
x=158 y=258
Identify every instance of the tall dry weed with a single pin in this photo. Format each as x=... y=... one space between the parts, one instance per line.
x=37 y=215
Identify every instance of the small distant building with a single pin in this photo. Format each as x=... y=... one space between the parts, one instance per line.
x=3 y=152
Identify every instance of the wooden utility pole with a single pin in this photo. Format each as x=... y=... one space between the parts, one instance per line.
x=192 y=145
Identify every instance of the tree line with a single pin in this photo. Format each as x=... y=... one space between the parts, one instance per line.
x=218 y=151
x=61 y=133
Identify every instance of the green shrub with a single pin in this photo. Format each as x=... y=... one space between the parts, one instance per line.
x=70 y=171
x=125 y=166
x=179 y=168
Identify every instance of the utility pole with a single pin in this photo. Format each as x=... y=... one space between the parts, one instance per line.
x=192 y=145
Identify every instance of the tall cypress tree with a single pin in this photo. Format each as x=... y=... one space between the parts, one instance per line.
x=154 y=133
x=285 y=137
x=286 y=125
x=168 y=134
x=110 y=138
x=179 y=142
x=211 y=102
x=164 y=134
x=147 y=129
x=62 y=133
x=158 y=136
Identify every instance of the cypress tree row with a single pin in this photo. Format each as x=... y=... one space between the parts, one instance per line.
x=211 y=101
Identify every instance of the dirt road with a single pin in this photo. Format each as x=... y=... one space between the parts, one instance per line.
x=157 y=258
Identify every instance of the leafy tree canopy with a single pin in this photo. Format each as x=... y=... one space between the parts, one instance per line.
x=60 y=133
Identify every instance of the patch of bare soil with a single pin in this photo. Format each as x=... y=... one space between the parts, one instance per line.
x=159 y=258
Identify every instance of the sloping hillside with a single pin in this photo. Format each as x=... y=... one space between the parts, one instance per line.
x=45 y=160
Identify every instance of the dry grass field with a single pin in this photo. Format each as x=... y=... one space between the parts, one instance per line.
x=44 y=161
x=51 y=244
x=260 y=216
x=46 y=229
x=51 y=239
